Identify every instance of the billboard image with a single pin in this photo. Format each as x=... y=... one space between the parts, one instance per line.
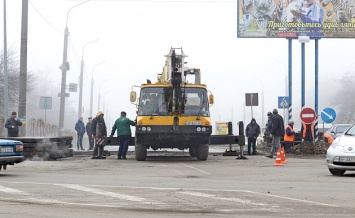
x=293 y=18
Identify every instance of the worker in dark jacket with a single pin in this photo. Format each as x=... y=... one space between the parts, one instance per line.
x=80 y=129
x=268 y=127
x=252 y=132
x=12 y=125
x=99 y=132
x=123 y=126
x=89 y=132
x=277 y=131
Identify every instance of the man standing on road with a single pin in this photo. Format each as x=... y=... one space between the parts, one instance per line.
x=252 y=132
x=277 y=131
x=80 y=129
x=122 y=124
x=12 y=125
x=289 y=136
x=99 y=132
x=89 y=132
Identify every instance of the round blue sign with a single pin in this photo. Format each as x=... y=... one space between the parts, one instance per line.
x=328 y=115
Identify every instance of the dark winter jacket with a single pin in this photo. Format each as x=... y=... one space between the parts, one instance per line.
x=12 y=132
x=122 y=125
x=253 y=129
x=289 y=132
x=80 y=127
x=102 y=131
x=278 y=128
x=89 y=128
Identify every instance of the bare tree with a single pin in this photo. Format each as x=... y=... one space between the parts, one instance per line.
x=344 y=99
x=13 y=70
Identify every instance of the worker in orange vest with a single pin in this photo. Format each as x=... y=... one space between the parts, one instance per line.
x=289 y=136
x=307 y=131
x=327 y=138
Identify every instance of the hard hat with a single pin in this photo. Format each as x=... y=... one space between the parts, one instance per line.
x=275 y=111
x=290 y=122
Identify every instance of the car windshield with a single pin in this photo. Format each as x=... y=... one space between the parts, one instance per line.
x=341 y=129
x=351 y=131
x=155 y=101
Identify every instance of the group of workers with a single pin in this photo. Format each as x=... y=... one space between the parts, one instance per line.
x=99 y=134
x=275 y=130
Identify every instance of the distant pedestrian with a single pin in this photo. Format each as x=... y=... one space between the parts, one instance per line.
x=289 y=137
x=80 y=129
x=122 y=124
x=252 y=132
x=268 y=127
x=89 y=132
x=277 y=131
x=99 y=133
x=12 y=124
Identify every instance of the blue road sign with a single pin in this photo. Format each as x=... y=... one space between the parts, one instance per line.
x=328 y=115
x=283 y=102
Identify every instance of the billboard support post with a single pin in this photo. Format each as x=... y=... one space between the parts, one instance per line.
x=316 y=90
x=290 y=79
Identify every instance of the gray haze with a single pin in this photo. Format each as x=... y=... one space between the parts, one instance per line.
x=133 y=38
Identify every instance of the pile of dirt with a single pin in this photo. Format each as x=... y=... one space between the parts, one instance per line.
x=320 y=147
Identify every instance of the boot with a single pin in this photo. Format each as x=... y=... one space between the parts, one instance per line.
x=94 y=154
x=100 y=152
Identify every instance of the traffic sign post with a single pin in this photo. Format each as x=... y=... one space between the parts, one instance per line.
x=308 y=115
x=328 y=115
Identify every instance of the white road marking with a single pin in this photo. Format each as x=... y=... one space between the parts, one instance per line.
x=12 y=191
x=204 y=195
x=106 y=193
x=202 y=171
x=188 y=189
x=178 y=172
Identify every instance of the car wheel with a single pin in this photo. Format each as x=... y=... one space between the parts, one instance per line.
x=337 y=172
x=193 y=151
x=202 y=152
x=141 y=152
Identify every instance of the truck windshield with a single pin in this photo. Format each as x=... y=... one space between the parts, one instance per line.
x=157 y=101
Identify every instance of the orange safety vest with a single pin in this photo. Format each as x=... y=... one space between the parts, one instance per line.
x=304 y=130
x=289 y=138
x=329 y=138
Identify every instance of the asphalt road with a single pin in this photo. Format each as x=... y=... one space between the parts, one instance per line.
x=176 y=186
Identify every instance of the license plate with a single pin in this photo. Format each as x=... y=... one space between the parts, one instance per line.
x=6 y=149
x=347 y=159
x=193 y=123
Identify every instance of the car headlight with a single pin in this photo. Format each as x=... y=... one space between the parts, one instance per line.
x=144 y=128
x=203 y=129
x=198 y=129
x=335 y=144
x=149 y=128
x=336 y=159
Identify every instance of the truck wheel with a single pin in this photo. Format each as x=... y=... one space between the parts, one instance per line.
x=337 y=172
x=193 y=151
x=141 y=152
x=202 y=152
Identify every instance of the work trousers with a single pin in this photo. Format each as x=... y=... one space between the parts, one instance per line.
x=124 y=142
x=252 y=143
x=99 y=146
x=79 y=142
x=275 y=144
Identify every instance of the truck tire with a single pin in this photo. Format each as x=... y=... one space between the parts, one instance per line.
x=193 y=151
x=337 y=172
x=141 y=152
x=202 y=152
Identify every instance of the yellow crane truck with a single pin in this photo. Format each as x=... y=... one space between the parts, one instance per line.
x=174 y=111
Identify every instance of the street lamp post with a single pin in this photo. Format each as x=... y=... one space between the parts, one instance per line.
x=92 y=87
x=286 y=94
x=6 y=81
x=81 y=78
x=64 y=67
x=99 y=94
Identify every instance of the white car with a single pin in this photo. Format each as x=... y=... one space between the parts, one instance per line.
x=341 y=154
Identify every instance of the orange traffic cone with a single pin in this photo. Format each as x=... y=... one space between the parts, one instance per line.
x=283 y=156
x=278 y=159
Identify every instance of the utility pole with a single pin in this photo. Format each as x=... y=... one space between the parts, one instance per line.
x=23 y=66
x=64 y=68
x=81 y=78
x=6 y=78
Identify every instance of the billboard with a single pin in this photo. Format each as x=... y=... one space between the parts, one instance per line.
x=294 y=18
x=221 y=128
